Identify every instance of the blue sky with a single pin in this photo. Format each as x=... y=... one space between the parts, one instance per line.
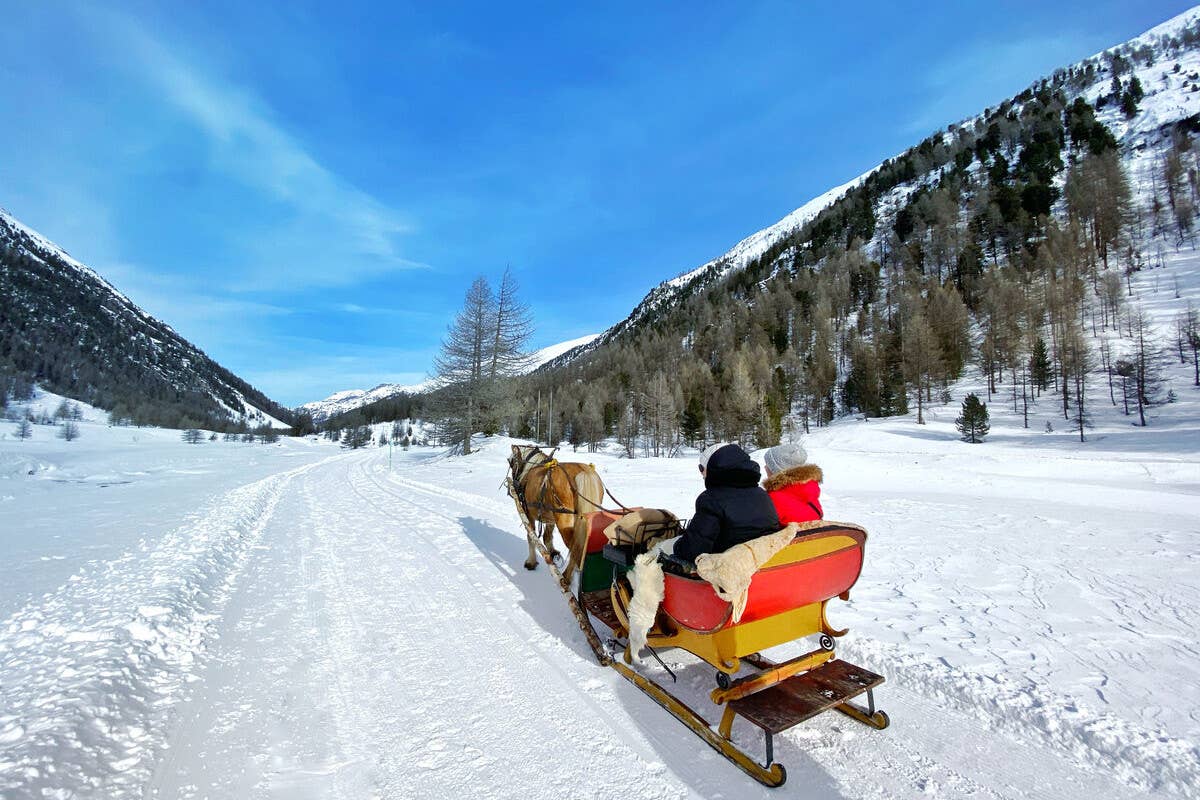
x=305 y=190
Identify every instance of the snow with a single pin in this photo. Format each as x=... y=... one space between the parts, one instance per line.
x=552 y=352
x=758 y=243
x=53 y=249
x=110 y=490
x=236 y=620
x=350 y=399
x=300 y=620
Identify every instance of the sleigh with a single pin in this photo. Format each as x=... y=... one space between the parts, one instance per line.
x=786 y=601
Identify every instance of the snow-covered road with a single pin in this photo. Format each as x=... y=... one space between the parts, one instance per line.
x=343 y=629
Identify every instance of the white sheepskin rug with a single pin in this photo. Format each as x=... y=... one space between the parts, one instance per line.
x=646 y=577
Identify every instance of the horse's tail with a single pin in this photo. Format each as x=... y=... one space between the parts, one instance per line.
x=589 y=491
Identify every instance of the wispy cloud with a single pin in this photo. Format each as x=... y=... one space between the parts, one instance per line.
x=384 y=311
x=323 y=231
x=982 y=73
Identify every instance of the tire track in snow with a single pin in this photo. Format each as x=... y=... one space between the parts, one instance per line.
x=90 y=674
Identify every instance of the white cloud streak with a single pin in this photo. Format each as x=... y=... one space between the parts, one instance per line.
x=966 y=80
x=331 y=233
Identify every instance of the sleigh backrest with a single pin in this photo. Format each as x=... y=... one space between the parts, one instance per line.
x=822 y=562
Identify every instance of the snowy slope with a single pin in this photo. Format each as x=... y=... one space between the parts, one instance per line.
x=48 y=247
x=350 y=399
x=1169 y=98
x=345 y=630
x=99 y=343
x=735 y=259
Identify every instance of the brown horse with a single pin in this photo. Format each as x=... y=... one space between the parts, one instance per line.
x=557 y=495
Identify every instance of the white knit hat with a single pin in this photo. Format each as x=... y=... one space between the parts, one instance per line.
x=784 y=457
x=708 y=453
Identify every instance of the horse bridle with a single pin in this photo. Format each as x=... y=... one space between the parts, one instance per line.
x=520 y=470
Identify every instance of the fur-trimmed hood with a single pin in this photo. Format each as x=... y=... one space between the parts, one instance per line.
x=801 y=474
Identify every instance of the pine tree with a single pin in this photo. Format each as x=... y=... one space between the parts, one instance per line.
x=464 y=361
x=303 y=426
x=192 y=436
x=972 y=423
x=691 y=421
x=922 y=358
x=24 y=429
x=68 y=431
x=1147 y=373
x=1077 y=362
x=1191 y=337
x=485 y=344
x=512 y=328
x=1039 y=365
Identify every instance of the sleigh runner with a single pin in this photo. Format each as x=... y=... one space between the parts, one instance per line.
x=786 y=601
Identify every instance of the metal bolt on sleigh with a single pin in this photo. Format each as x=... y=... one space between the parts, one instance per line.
x=785 y=601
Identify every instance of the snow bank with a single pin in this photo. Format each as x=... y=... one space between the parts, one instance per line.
x=89 y=675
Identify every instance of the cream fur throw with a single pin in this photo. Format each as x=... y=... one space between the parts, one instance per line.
x=647 y=580
x=730 y=572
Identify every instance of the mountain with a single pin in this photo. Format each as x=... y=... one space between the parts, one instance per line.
x=351 y=399
x=1020 y=224
x=66 y=328
x=1163 y=105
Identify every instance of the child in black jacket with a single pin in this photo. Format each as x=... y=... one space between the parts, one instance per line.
x=732 y=509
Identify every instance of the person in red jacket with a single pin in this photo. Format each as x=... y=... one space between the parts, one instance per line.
x=793 y=484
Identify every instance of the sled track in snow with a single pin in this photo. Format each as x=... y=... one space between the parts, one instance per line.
x=90 y=673
x=420 y=728
x=1147 y=761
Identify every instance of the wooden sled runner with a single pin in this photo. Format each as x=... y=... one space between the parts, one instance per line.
x=786 y=601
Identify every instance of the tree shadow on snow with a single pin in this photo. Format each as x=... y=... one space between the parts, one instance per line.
x=682 y=752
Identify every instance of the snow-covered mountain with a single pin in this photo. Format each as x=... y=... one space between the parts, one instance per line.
x=350 y=399
x=1166 y=61
x=65 y=327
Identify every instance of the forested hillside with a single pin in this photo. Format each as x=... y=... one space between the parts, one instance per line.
x=65 y=328
x=1003 y=244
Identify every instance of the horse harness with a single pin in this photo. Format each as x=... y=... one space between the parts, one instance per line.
x=519 y=472
x=520 y=468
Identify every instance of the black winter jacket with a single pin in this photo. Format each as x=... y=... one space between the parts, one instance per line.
x=732 y=509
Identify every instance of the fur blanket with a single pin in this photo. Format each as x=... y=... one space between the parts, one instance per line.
x=730 y=572
x=646 y=577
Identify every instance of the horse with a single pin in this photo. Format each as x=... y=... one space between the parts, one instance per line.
x=557 y=495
